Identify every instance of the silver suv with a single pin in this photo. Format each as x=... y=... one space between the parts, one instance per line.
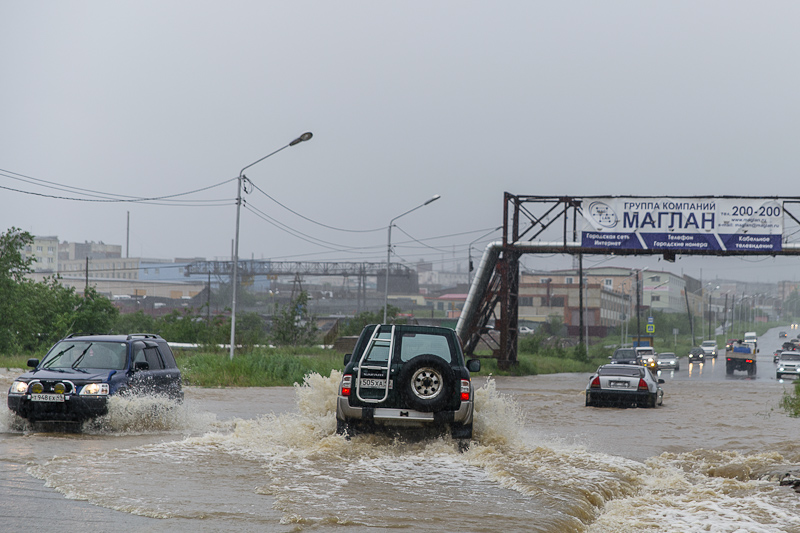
x=709 y=348
x=788 y=364
x=404 y=376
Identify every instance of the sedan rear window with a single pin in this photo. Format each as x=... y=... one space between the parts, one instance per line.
x=621 y=371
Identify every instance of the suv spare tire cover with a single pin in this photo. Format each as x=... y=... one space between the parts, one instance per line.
x=426 y=383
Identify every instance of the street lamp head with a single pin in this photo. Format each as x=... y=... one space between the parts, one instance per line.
x=435 y=197
x=304 y=137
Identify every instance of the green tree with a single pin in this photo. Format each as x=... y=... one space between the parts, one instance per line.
x=292 y=325
x=137 y=322
x=13 y=269
x=353 y=326
x=94 y=313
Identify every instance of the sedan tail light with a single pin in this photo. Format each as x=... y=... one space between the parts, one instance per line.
x=595 y=383
x=642 y=384
x=347 y=385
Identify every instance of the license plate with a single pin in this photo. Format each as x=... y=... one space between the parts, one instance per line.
x=619 y=384
x=374 y=383
x=47 y=397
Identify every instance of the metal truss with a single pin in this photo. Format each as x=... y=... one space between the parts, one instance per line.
x=549 y=224
x=286 y=268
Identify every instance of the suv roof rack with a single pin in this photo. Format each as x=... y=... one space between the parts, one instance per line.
x=143 y=336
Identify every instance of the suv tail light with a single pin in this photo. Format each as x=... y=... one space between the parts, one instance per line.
x=642 y=384
x=464 y=390
x=347 y=384
x=595 y=383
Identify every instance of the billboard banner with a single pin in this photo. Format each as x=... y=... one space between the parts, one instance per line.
x=683 y=225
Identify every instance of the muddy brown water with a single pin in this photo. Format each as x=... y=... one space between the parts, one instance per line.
x=268 y=459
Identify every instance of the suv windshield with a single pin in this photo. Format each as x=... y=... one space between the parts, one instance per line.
x=85 y=354
x=625 y=354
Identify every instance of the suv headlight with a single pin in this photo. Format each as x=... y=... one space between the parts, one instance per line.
x=18 y=387
x=95 y=389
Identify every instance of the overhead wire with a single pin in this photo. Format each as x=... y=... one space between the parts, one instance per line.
x=256 y=187
x=300 y=235
x=104 y=197
x=173 y=200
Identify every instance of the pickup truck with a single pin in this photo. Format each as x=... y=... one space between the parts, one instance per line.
x=741 y=356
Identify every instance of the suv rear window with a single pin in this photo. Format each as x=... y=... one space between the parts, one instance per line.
x=624 y=354
x=414 y=344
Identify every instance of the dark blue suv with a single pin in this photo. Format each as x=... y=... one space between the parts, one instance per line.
x=73 y=382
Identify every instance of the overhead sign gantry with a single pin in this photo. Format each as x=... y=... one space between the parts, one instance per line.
x=620 y=225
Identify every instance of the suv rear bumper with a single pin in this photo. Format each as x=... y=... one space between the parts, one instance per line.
x=388 y=416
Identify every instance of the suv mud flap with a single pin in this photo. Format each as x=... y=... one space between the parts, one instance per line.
x=441 y=418
x=368 y=415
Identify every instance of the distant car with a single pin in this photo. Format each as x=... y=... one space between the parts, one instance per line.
x=697 y=355
x=776 y=355
x=618 y=384
x=74 y=380
x=788 y=363
x=648 y=357
x=668 y=360
x=782 y=335
x=626 y=356
x=525 y=330
x=710 y=348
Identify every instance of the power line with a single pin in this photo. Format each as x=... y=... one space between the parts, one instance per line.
x=314 y=221
x=104 y=197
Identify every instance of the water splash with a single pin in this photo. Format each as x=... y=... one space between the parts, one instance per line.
x=291 y=471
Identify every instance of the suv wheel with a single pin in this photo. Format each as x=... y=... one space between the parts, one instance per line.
x=426 y=383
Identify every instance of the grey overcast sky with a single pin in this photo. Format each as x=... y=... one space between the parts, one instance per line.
x=406 y=99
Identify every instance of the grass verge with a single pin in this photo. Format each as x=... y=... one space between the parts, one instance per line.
x=259 y=368
x=286 y=366
x=791 y=402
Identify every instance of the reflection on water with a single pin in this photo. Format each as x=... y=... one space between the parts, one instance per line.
x=696 y=369
x=291 y=472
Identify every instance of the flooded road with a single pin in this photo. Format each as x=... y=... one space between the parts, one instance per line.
x=268 y=460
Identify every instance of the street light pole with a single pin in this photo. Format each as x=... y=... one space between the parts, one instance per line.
x=304 y=137
x=389 y=253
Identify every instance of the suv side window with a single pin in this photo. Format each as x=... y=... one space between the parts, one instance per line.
x=153 y=358
x=138 y=354
x=166 y=355
x=412 y=345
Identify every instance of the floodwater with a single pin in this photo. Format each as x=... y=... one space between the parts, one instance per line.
x=268 y=460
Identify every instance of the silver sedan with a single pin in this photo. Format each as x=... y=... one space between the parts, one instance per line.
x=624 y=385
x=668 y=361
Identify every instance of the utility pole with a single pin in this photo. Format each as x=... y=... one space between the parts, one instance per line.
x=689 y=312
x=638 y=309
x=580 y=299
